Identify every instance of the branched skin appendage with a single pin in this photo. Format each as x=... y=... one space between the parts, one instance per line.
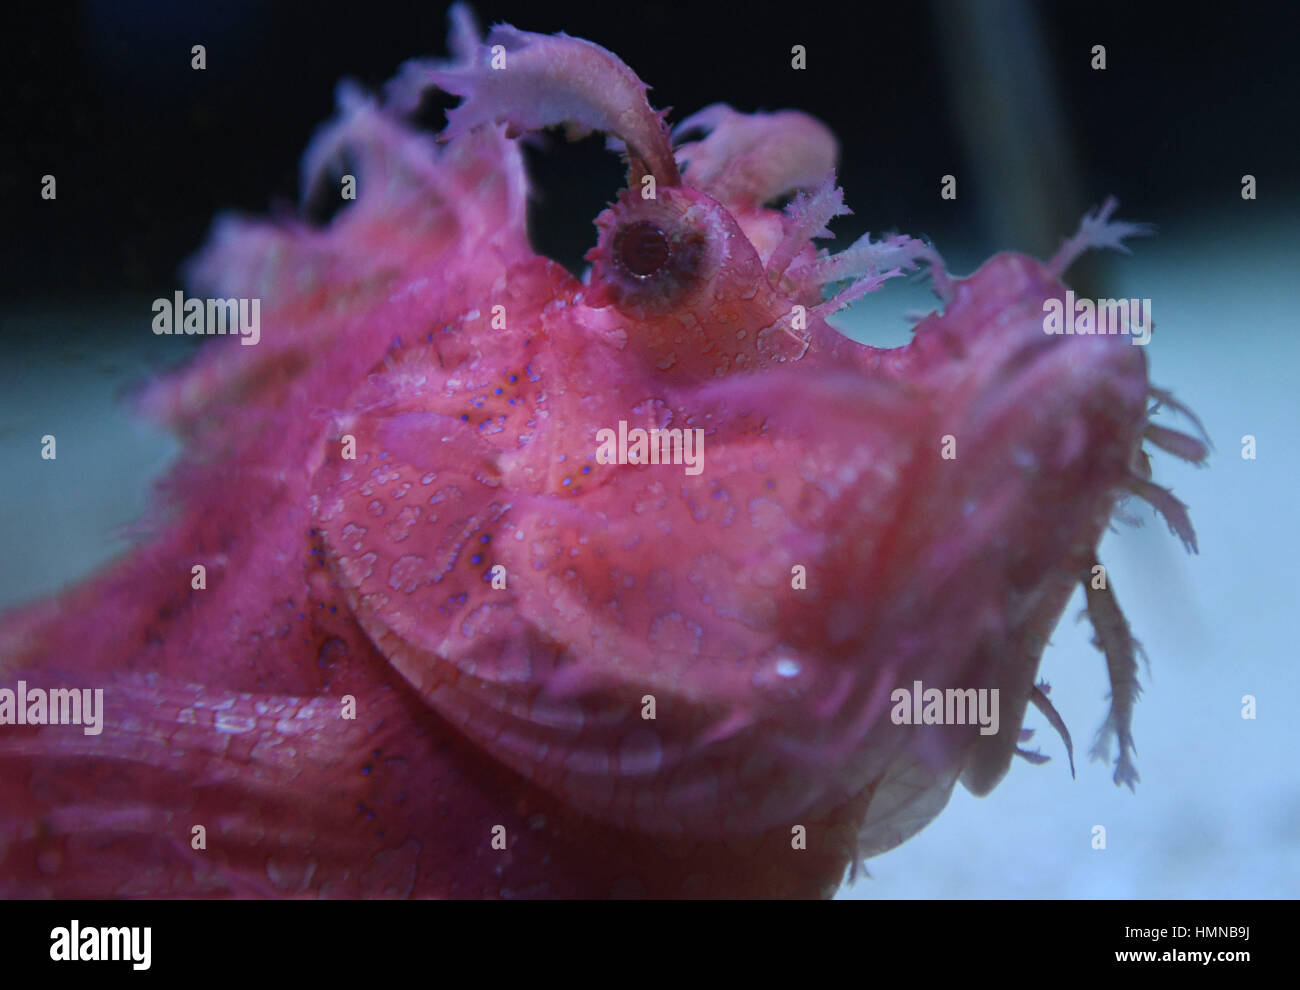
x=1116 y=642
x=571 y=675
x=1112 y=634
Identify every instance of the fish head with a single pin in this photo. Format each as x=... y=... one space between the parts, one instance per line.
x=668 y=543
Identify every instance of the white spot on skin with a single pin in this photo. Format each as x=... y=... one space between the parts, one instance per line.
x=367 y=561
x=640 y=753
x=408 y=573
x=588 y=761
x=526 y=745
x=392 y=873
x=289 y=877
x=234 y=724
x=781 y=678
x=1024 y=458
x=400 y=528
x=675 y=636
x=787 y=668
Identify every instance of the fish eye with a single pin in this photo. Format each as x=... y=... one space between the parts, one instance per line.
x=641 y=249
x=654 y=257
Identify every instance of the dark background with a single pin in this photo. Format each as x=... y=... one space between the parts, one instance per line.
x=146 y=150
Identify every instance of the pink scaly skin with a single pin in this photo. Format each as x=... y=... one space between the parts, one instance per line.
x=521 y=706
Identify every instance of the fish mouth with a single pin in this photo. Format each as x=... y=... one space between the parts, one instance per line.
x=1091 y=391
x=1049 y=434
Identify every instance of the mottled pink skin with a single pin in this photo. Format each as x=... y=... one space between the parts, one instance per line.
x=479 y=707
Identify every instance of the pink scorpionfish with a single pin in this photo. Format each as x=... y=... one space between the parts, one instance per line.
x=408 y=624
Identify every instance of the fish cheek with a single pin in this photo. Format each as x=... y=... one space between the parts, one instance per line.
x=407 y=525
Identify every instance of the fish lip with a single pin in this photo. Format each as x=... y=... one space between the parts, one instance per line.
x=1083 y=363
x=1051 y=366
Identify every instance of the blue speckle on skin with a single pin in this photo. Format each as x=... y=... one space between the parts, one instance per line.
x=486 y=538
x=497 y=391
x=476 y=559
x=567 y=481
x=514 y=378
x=586 y=469
x=464 y=417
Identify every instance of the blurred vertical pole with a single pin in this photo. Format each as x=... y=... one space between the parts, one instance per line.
x=1003 y=89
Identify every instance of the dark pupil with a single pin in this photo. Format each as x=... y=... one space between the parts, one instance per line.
x=643 y=249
